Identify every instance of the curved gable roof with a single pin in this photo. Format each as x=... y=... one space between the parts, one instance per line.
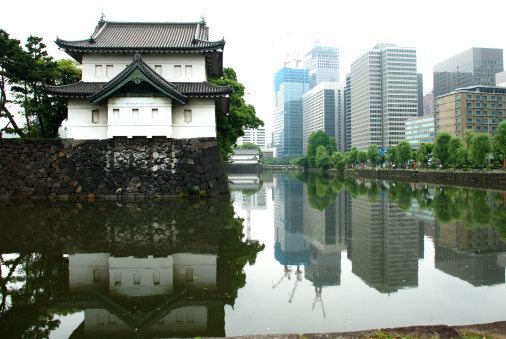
x=138 y=71
x=139 y=36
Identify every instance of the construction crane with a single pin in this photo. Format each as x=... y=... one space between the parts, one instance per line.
x=298 y=274
x=318 y=298
x=287 y=272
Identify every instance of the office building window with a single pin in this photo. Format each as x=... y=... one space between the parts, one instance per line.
x=154 y=114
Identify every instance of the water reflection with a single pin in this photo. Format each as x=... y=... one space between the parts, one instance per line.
x=148 y=269
x=173 y=268
x=381 y=226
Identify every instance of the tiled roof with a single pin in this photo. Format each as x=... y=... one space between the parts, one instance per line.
x=135 y=36
x=76 y=90
x=202 y=89
x=86 y=89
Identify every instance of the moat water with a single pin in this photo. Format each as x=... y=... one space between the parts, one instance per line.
x=290 y=253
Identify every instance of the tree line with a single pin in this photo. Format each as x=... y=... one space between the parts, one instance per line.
x=474 y=150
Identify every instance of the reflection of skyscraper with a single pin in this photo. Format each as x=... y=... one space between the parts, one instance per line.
x=325 y=231
x=469 y=253
x=385 y=245
x=290 y=247
x=477 y=269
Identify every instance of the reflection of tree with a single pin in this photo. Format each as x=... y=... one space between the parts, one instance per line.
x=40 y=276
x=322 y=191
x=235 y=253
x=402 y=194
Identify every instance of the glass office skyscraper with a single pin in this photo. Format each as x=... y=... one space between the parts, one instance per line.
x=289 y=86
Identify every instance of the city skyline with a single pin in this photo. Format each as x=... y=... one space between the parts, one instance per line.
x=286 y=27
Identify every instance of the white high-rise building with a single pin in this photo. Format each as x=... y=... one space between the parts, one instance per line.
x=384 y=95
x=253 y=135
x=322 y=65
x=323 y=110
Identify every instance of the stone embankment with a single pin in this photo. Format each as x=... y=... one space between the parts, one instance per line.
x=119 y=167
x=493 y=180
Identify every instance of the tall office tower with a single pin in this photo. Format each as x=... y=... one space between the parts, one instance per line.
x=323 y=110
x=289 y=86
x=322 y=65
x=475 y=66
x=347 y=115
x=419 y=81
x=384 y=95
x=254 y=136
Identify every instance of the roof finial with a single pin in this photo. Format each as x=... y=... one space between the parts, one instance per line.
x=202 y=20
x=102 y=19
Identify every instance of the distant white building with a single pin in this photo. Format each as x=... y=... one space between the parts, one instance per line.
x=144 y=79
x=254 y=136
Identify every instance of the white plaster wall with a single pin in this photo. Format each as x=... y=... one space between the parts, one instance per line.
x=203 y=122
x=79 y=124
x=82 y=266
x=126 y=268
x=204 y=270
x=167 y=61
x=145 y=125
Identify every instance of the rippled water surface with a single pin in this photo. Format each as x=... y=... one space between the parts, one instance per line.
x=289 y=254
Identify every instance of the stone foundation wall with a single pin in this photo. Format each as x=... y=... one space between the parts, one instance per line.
x=119 y=167
x=493 y=180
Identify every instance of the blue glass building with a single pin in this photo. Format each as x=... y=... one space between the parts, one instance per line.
x=289 y=86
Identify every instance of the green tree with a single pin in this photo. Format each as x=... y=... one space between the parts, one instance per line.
x=441 y=145
x=456 y=152
x=500 y=141
x=353 y=156
x=404 y=153
x=392 y=156
x=468 y=136
x=374 y=155
x=337 y=160
x=316 y=139
x=362 y=157
x=423 y=154
x=241 y=115
x=24 y=72
x=322 y=159
x=480 y=148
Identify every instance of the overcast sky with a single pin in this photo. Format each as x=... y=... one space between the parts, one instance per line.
x=260 y=34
